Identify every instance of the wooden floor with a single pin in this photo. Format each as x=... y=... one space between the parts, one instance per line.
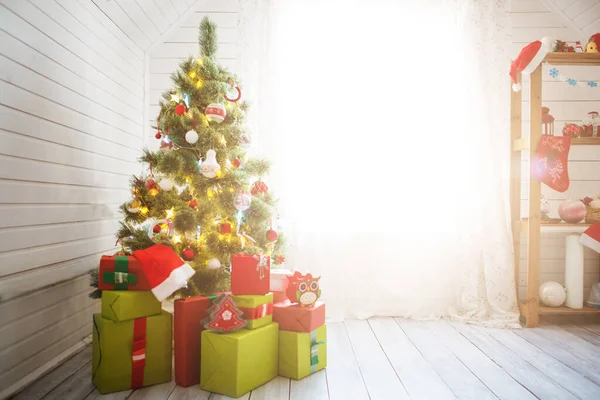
x=386 y=358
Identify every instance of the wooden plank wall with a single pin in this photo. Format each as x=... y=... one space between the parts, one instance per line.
x=531 y=20
x=183 y=42
x=71 y=127
x=582 y=15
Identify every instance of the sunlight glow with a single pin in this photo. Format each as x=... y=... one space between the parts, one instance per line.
x=379 y=105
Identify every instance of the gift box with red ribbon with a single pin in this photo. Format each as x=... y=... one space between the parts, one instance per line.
x=250 y=274
x=121 y=273
x=295 y=318
x=257 y=309
x=131 y=354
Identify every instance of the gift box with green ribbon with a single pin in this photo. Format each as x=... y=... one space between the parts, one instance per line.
x=131 y=354
x=257 y=308
x=119 y=305
x=121 y=273
x=302 y=354
x=233 y=364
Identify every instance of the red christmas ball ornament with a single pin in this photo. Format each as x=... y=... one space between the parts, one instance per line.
x=157 y=229
x=259 y=187
x=158 y=135
x=193 y=203
x=236 y=162
x=272 y=235
x=572 y=211
x=180 y=109
x=188 y=254
x=225 y=227
x=150 y=184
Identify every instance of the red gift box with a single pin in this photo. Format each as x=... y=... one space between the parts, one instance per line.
x=121 y=273
x=279 y=297
x=250 y=274
x=188 y=328
x=295 y=318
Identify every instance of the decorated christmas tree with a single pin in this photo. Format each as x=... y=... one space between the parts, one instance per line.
x=202 y=194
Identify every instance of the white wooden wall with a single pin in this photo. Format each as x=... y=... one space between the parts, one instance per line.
x=582 y=15
x=71 y=127
x=531 y=20
x=183 y=42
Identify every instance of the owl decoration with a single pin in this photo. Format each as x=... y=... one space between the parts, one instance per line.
x=303 y=289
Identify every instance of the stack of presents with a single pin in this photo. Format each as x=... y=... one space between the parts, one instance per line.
x=270 y=324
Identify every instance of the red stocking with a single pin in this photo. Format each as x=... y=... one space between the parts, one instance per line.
x=550 y=165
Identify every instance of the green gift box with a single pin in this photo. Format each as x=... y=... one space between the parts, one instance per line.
x=119 y=305
x=132 y=353
x=301 y=353
x=257 y=309
x=235 y=363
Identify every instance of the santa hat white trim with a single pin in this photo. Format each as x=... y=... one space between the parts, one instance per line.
x=545 y=47
x=590 y=242
x=177 y=279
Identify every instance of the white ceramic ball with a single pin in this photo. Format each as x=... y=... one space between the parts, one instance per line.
x=213 y=263
x=191 y=136
x=216 y=112
x=552 y=294
x=166 y=184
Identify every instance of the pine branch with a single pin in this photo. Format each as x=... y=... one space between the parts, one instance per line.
x=208 y=38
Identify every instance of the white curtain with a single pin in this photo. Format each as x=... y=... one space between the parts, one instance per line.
x=387 y=125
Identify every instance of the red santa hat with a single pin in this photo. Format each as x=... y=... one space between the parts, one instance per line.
x=165 y=271
x=591 y=238
x=596 y=38
x=529 y=59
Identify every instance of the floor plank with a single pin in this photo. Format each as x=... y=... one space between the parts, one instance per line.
x=155 y=392
x=343 y=373
x=457 y=376
x=96 y=395
x=571 y=380
x=495 y=378
x=313 y=387
x=278 y=388
x=215 y=396
x=583 y=334
x=562 y=353
x=189 y=393
x=46 y=383
x=534 y=380
x=77 y=386
x=379 y=376
x=418 y=376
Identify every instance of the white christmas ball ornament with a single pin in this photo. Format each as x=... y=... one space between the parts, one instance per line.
x=242 y=201
x=215 y=112
x=166 y=184
x=552 y=294
x=210 y=166
x=213 y=263
x=191 y=136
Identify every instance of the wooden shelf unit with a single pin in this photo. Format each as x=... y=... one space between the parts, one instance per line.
x=530 y=307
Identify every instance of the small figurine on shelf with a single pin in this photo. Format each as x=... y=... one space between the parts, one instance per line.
x=592 y=44
x=547 y=121
x=591 y=124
